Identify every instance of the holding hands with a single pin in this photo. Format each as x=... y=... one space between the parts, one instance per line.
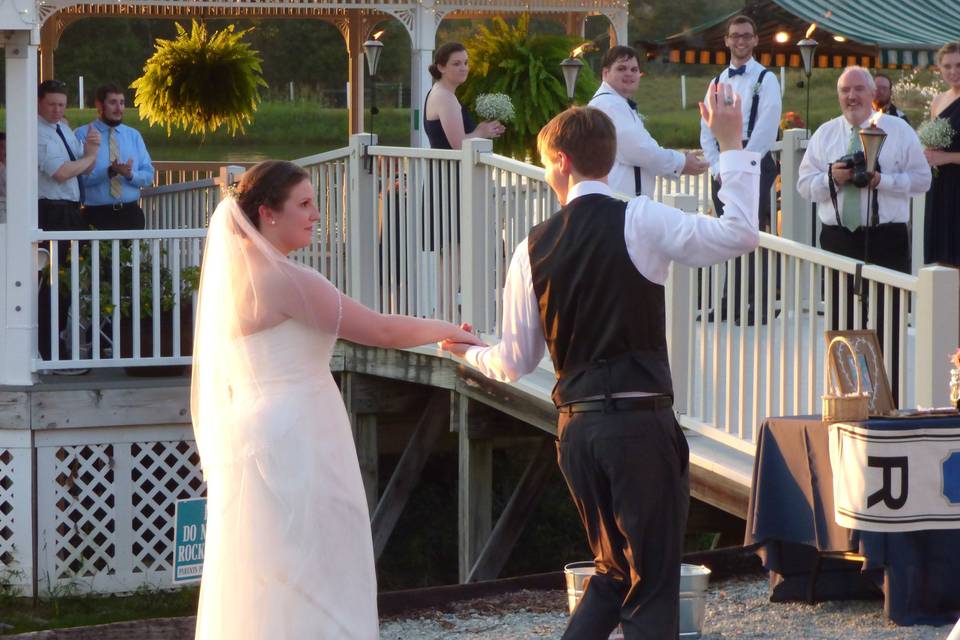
x=458 y=343
x=723 y=115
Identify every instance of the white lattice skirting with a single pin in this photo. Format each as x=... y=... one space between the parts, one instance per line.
x=105 y=506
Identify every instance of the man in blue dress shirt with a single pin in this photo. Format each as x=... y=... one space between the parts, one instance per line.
x=122 y=168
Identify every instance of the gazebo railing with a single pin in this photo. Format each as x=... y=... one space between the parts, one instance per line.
x=431 y=233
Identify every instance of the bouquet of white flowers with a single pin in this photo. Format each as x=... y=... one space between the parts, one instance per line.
x=936 y=133
x=495 y=106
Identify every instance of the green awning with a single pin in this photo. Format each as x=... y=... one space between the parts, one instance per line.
x=869 y=33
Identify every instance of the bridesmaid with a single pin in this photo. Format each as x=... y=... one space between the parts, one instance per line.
x=942 y=216
x=446 y=121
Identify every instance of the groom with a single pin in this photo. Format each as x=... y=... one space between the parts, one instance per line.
x=590 y=280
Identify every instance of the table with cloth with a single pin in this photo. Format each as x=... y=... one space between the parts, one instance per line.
x=791 y=521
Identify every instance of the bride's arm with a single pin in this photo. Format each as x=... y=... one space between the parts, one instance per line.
x=365 y=326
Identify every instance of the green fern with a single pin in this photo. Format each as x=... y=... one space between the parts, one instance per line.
x=508 y=59
x=199 y=82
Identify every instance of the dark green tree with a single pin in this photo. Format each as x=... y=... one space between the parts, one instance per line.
x=509 y=59
x=200 y=82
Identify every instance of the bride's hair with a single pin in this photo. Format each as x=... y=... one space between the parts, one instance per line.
x=267 y=183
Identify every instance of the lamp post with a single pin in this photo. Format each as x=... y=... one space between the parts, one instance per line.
x=571 y=71
x=372 y=49
x=807 y=47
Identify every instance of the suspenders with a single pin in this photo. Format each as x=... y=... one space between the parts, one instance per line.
x=755 y=103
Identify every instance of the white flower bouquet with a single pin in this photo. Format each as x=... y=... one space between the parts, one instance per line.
x=495 y=106
x=936 y=133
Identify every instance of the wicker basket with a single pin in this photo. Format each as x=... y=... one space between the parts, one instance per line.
x=841 y=407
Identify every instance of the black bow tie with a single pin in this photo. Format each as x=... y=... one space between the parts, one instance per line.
x=633 y=105
x=739 y=71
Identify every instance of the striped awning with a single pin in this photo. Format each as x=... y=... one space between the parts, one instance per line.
x=873 y=33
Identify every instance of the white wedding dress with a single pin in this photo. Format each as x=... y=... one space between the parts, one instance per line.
x=288 y=546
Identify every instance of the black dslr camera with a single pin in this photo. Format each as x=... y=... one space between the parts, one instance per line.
x=858 y=164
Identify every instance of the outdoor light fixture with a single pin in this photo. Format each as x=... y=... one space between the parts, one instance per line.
x=872 y=139
x=807 y=47
x=571 y=71
x=372 y=49
x=782 y=37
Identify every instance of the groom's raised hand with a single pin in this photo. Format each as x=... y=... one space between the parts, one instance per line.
x=723 y=115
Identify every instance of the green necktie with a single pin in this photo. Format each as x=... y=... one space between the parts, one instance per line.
x=850 y=214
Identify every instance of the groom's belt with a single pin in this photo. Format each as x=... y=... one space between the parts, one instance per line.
x=637 y=403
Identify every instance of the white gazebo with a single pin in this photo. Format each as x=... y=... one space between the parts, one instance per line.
x=31 y=30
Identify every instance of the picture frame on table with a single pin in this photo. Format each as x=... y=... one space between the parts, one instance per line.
x=874 y=373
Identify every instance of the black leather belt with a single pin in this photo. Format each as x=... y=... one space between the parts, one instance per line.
x=634 y=403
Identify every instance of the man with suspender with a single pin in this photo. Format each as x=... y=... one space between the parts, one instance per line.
x=640 y=159
x=759 y=94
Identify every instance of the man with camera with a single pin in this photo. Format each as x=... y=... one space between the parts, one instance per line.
x=864 y=213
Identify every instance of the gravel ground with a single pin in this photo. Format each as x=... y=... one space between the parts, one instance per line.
x=736 y=608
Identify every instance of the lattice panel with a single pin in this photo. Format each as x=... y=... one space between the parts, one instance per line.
x=7 y=557
x=85 y=515
x=162 y=473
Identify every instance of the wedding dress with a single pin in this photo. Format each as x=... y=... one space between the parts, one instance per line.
x=288 y=551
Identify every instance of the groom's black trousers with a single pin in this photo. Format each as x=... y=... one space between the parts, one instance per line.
x=628 y=474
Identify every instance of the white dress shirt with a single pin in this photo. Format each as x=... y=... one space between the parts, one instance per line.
x=767 y=124
x=655 y=235
x=635 y=147
x=904 y=171
x=51 y=155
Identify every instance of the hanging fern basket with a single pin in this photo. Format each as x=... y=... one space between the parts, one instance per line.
x=200 y=82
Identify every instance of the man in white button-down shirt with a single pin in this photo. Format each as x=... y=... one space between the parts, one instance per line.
x=759 y=93
x=640 y=159
x=589 y=281
x=874 y=227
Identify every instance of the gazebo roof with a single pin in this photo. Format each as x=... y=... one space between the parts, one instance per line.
x=880 y=33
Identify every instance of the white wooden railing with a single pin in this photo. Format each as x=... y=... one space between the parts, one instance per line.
x=430 y=233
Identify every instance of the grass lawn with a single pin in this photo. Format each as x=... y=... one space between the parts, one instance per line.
x=67 y=610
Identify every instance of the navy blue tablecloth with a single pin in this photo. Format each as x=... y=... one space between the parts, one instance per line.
x=790 y=518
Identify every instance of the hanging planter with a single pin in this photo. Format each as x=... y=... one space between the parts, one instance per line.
x=200 y=82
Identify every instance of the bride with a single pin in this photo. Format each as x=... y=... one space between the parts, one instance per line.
x=288 y=546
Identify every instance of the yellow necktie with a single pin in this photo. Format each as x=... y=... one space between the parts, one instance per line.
x=116 y=187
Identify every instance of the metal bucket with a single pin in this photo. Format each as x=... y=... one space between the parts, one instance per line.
x=693 y=595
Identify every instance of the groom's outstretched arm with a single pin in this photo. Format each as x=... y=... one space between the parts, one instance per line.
x=522 y=345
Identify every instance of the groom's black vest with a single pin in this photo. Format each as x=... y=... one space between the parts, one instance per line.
x=603 y=321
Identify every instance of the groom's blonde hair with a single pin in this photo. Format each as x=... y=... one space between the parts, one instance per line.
x=586 y=136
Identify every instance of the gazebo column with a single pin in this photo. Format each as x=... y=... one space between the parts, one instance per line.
x=354 y=33
x=18 y=266
x=575 y=23
x=423 y=39
x=618 y=26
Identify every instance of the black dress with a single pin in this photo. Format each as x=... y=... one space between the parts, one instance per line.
x=450 y=205
x=434 y=129
x=941 y=238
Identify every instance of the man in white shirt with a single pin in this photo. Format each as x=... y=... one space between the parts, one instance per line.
x=759 y=93
x=640 y=159
x=864 y=215
x=61 y=161
x=590 y=281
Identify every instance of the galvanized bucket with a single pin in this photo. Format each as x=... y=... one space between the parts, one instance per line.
x=693 y=595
